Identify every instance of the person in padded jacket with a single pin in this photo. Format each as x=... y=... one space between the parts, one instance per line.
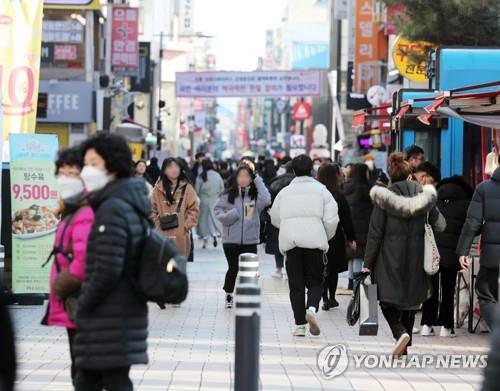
x=112 y=318
x=395 y=247
x=483 y=217
x=454 y=196
x=238 y=209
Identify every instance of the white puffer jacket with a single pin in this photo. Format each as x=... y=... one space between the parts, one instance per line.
x=306 y=214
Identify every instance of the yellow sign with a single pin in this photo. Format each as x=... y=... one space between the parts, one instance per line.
x=404 y=53
x=20 y=46
x=73 y=4
x=137 y=149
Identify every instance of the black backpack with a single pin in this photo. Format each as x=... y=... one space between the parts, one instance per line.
x=160 y=274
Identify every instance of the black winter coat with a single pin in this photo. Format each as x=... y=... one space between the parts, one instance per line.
x=358 y=198
x=112 y=319
x=454 y=196
x=483 y=217
x=337 y=260
x=492 y=371
x=395 y=245
x=272 y=237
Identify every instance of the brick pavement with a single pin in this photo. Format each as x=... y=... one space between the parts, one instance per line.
x=191 y=347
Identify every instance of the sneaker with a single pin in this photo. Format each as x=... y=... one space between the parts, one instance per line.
x=401 y=345
x=447 y=333
x=334 y=303
x=427 y=331
x=300 y=331
x=277 y=274
x=229 y=301
x=415 y=330
x=326 y=305
x=312 y=321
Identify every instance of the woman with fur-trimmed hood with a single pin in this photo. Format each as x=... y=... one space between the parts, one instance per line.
x=395 y=247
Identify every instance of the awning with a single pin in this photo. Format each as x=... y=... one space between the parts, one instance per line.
x=480 y=108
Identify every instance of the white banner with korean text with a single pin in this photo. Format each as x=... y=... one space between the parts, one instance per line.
x=248 y=84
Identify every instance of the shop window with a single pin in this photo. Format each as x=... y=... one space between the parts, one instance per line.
x=473 y=161
x=430 y=142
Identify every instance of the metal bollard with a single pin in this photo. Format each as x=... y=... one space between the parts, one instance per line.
x=249 y=268
x=247 y=338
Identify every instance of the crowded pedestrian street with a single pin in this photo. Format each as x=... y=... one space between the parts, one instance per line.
x=192 y=347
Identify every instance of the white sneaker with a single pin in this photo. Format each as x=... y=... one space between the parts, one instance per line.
x=312 y=321
x=447 y=333
x=415 y=330
x=427 y=331
x=278 y=275
x=401 y=345
x=300 y=331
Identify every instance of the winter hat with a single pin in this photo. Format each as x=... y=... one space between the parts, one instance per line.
x=430 y=169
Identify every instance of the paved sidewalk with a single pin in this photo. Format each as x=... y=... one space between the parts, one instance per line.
x=191 y=347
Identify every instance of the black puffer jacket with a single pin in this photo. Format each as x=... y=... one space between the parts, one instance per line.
x=337 y=260
x=358 y=198
x=395 y=245
x=454 y=196
x=112 y=320
x=483 y=217
x=492 y=372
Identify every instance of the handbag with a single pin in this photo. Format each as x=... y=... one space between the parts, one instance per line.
x=431 y=252
x=368 y=308
x=171 y=220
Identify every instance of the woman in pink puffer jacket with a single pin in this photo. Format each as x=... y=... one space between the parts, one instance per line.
x=70 y=247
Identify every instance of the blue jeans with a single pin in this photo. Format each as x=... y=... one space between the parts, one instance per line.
x=355 y=265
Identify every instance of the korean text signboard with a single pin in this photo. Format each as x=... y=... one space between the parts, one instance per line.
x=20 y=47
x=404 y=53
x=248 y=84
x=68 y=102
x=124 y=43
x=186 y=11
x=141 y=80
x=368 y=48
x=34 y=207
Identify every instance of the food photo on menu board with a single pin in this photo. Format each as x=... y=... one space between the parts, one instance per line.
x=35 y=204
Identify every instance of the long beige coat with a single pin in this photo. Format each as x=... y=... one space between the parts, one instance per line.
x=188 y=215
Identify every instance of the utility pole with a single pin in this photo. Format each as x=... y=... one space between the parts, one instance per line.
x=335 y=56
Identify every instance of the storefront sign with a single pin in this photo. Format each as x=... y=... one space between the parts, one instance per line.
x=124 y=44
x=65 y=52
x=47 y=54
x=65 y=31
x=406 y=64
x=73 y=4
x=247 y=84
x=310 y=55
x=141 y=81
x=367 y=50
x=20 y=46
x=68 y=101
x=186 y=12
x=34 y=205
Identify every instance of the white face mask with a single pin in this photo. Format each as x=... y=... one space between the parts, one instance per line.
x=93 y=178
x=69 y=187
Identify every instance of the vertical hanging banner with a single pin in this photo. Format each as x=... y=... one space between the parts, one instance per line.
x=20 y=52
x=124 y=40
x=369 y=47
x=34 y=201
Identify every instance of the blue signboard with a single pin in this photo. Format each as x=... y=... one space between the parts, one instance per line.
x=307 y=55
